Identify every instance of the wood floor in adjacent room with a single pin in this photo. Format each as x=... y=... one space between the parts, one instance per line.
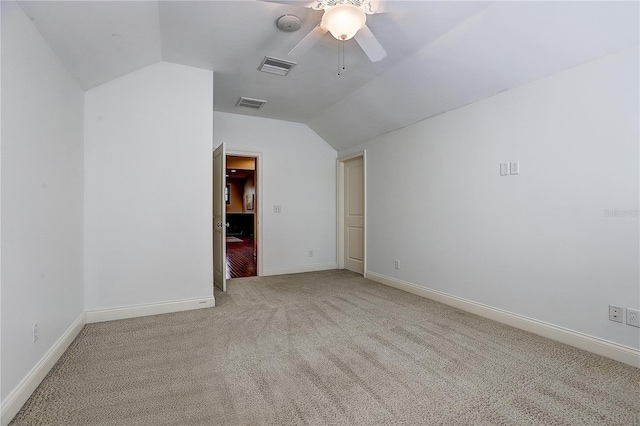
x=327 y=348
x=241 y=257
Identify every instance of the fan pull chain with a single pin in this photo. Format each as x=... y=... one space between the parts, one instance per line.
x=341 y=64
x=338 y=57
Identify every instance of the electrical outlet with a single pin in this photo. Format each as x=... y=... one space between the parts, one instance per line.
x=277 y=209
x=310 y=253
x=34 y=332
x=397 y=264
x=633 y=317
x=615 y=313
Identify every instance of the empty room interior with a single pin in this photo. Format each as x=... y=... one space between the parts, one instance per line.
x=328 y=212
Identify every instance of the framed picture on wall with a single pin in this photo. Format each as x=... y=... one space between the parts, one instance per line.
x=249 y=201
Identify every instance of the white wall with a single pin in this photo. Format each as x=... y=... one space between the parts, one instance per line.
x=299 y=174
x=538 y=244
x=41 y=197
x=148 y=172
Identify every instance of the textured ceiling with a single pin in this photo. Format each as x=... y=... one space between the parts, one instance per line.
x=440 y=55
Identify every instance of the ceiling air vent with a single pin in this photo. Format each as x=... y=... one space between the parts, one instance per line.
x=276 y=66
x=250 y=103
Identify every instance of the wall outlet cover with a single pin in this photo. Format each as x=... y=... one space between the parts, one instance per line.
x=615 y=313
x=633 y=317
x=34 y=332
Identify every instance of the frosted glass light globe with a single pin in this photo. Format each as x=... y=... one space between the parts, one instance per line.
x=344 y=20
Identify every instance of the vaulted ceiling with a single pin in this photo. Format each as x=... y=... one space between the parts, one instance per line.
x=440 y=55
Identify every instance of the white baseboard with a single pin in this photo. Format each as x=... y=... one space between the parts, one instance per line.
x=299 y=269
x=16 y=399
x=135 y=311
x=598 y=346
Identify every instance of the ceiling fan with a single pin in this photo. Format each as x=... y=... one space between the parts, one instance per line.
x=344 y=19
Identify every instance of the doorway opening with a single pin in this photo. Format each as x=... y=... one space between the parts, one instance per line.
x=241 y=202
x=352 y=206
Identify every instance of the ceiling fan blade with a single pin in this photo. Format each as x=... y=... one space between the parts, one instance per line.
x=308 y=41
x=377 y=6
x=370 y=44
x=393 y=6
x=301 y=3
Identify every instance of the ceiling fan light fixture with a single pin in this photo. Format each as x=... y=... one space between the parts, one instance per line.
x=343 y=21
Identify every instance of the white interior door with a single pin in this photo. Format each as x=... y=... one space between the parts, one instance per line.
x=354 y=215
x=219 y=219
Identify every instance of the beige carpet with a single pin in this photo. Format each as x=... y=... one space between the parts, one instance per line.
x=327 y=348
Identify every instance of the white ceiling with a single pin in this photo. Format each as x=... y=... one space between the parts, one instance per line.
x=440 y=55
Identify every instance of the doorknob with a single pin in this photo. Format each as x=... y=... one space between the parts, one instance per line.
x=227 y=224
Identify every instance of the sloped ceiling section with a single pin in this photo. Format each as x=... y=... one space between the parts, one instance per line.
x=99 y=41
x=440 y=55
x=506 y=45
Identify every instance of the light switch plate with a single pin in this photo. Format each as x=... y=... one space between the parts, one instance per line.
x=504 y=169
x=515 y=168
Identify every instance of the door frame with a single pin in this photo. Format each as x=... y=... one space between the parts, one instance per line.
x=340 y=203
x=258 y=204
x=219 y=222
